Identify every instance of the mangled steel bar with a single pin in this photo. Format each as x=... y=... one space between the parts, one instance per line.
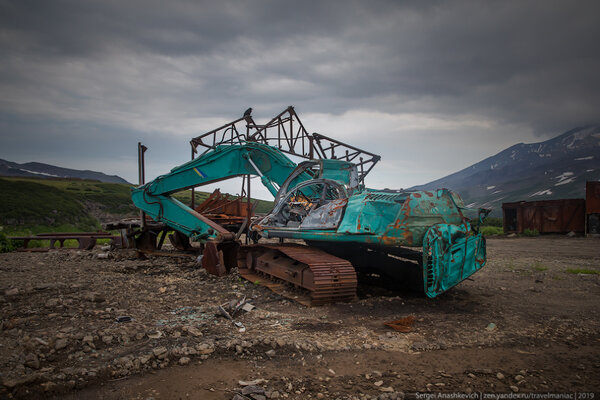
x=286 y=132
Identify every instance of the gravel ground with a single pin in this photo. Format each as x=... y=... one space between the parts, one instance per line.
x=527 y=322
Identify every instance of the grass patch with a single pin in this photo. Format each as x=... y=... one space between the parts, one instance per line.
x=539 y=267
x=511 y=266
x=6 y=244
x=492 y=221
x=115 y=198
x=29 y=206
x=585 y=271
x=531 y=232
x=491 y=230
x=518 y=269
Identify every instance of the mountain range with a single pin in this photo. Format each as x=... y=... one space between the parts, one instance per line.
x=39 y=170
x=555 y=169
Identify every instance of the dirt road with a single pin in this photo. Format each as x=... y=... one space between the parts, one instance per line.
x=527 y=322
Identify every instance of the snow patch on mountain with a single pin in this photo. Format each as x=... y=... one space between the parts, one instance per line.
x=579 y=136
x=47 y=171
x=40 y=173
x=530 y=170
x=541 y=193
x=564 y=178
x=564 y=182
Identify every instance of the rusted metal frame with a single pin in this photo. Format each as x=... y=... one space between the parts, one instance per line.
x=217 y=200
x=320 y=151
x=243 y=190
x=229 y=128
x=68 y=235
x=306 y=134
x=218 y=228
x=223 y=203
x=161 y=240
x=212 y=198
x=197 y=141
x=263 y=128
x=290 y=140
x=193 y=191
x=350 y=157
x=361 y=164
x=85 y=240
x=248 y=211
x=318 y=136
x=290 y=137
x=364 y=173
x=232 y=131
x=142 y=176
x=369 y=162
x=302 y=132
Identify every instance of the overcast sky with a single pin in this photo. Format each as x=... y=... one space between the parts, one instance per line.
x=430 y=86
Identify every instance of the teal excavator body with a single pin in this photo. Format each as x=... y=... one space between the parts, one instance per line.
x=323 y=203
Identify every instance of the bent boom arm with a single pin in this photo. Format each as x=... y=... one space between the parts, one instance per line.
x=154 y=198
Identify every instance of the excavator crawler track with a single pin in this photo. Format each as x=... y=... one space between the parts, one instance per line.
x=327 y=278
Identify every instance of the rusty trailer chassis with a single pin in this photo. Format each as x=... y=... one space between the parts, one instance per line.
x=85 y=240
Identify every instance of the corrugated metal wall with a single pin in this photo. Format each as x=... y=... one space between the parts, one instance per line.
x=546 y=216
x=592 y=207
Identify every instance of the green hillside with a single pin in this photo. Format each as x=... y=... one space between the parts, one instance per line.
x=29 y=206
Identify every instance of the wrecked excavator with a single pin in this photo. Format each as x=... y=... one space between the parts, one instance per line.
x=323 y=202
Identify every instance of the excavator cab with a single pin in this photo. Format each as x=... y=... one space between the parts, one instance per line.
x=313 y=204
x=316 y=203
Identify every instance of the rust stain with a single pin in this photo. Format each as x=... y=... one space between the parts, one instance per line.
x=403 y=325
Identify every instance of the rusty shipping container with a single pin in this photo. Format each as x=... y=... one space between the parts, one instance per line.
x=545 y=216
x=592 y=206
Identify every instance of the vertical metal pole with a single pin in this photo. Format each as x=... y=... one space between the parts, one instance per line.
x=193 y=189
x=142 y=176
x=248 y=209
x=291 y=133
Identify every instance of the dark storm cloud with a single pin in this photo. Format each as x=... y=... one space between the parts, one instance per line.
x=81 y=28
x=527 y=62
x=179 y=67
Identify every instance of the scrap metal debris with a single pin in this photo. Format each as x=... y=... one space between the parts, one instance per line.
x=403 y=325
x=231 y=308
